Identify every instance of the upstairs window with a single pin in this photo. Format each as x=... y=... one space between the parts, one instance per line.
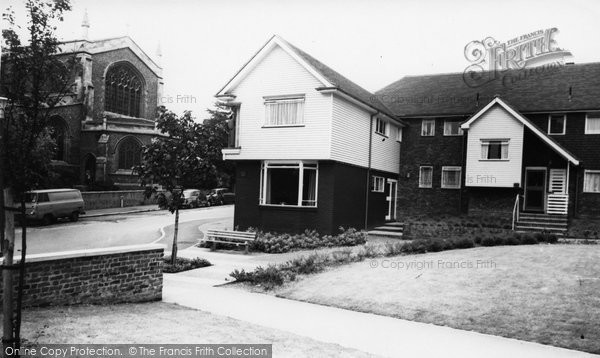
x=425 y=177
x=130 y=154
x=591 y=181
x=288 y=111
x=123 y=90
x=399 y=134
x=451 y=177
x=592 y=123
x=381 y=127
x=494 y=149
x=557 y=124
x=289 y=184
x=452 y=128
x=377 y=184
x=428 y=128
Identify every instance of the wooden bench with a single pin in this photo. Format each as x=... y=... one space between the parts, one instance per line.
x=231 y=237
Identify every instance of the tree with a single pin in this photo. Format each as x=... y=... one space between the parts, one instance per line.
x=34 y=78
x=176 y=160
x=216 y=130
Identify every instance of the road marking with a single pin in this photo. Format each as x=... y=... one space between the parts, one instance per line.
x=162 y=234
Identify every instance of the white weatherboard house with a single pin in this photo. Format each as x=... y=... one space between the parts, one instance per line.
x=312 y=149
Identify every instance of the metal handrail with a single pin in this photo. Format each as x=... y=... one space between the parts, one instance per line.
x=515 y=216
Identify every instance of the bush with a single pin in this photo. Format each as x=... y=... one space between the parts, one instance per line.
x=488 y=241
x=310 y=239
x=183 y=264
x=463 y=243
x=546 y=237
x=528 y=239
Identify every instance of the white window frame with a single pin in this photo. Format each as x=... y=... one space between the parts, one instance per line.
x=423 y=128
x=289 y=164
x=421 y=185
x=595 y=116
x=382 y=123
x=452 y=169
x=447 y=129
x=564 y=128
x=274 y=100
x=487 y=142
x=585 y=173
x=399 y=134
x=378 y=184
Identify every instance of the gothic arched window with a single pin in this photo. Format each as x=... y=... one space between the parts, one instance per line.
x=123 y=90
x=59 y=134
x=130 y=154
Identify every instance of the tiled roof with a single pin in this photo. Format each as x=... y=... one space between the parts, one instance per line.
x=342 y=83
x=562 y=88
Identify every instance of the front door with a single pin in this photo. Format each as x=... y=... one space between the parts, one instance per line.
x=392 y=192
x=535 y=189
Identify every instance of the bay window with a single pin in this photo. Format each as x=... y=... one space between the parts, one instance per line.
x=289 y=183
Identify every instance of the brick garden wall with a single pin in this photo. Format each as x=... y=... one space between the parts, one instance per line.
x=100 y=276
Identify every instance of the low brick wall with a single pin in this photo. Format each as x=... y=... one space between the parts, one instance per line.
x=112 y=199
x=99 y=276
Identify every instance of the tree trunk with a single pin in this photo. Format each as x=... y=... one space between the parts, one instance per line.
x=21 y=274
x=7 y=273
x=174 y=249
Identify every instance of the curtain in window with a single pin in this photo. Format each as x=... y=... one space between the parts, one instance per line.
x=592 y=125
x=451 y=178
x=485 y=150
x=504 y=152
x=426 y=177
x=591 y=183
x=284 y=112
x=309 y=192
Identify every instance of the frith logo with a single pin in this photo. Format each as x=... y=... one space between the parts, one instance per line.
x=490 y=59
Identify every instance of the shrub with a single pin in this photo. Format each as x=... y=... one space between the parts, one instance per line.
x=514 y=239
x=309 y=239
x=463 y=243
x=528 y=239
x=488 y=241
x=183 y=264
x=267 y=277
x=546 y=237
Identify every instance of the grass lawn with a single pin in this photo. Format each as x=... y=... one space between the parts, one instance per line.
x=163 y=323
x=542 y=293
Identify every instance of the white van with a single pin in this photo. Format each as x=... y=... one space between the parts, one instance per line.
x=51 y=204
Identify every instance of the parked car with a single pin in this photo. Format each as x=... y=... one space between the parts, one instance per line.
x=193 y=198
x=51 y=204
x=220 y=196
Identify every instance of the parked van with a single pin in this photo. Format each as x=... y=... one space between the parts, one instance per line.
x=51 y=204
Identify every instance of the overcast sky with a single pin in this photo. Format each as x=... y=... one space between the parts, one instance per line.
x=373 y=42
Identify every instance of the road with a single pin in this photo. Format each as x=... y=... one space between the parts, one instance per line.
x=121 y=230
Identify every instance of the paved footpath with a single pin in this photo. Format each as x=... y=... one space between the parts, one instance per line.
x=380 y=335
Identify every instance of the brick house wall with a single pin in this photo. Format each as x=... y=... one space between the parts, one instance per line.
x=101 y=276
x=436 y=151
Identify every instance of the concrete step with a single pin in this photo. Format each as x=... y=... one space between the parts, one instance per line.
x=394 y=223
x=542 y=224
x=390 y=228
x=391 y=234
x=531 y=230
x=543 y=216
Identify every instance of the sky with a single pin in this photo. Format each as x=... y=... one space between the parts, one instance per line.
x=373 y=43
